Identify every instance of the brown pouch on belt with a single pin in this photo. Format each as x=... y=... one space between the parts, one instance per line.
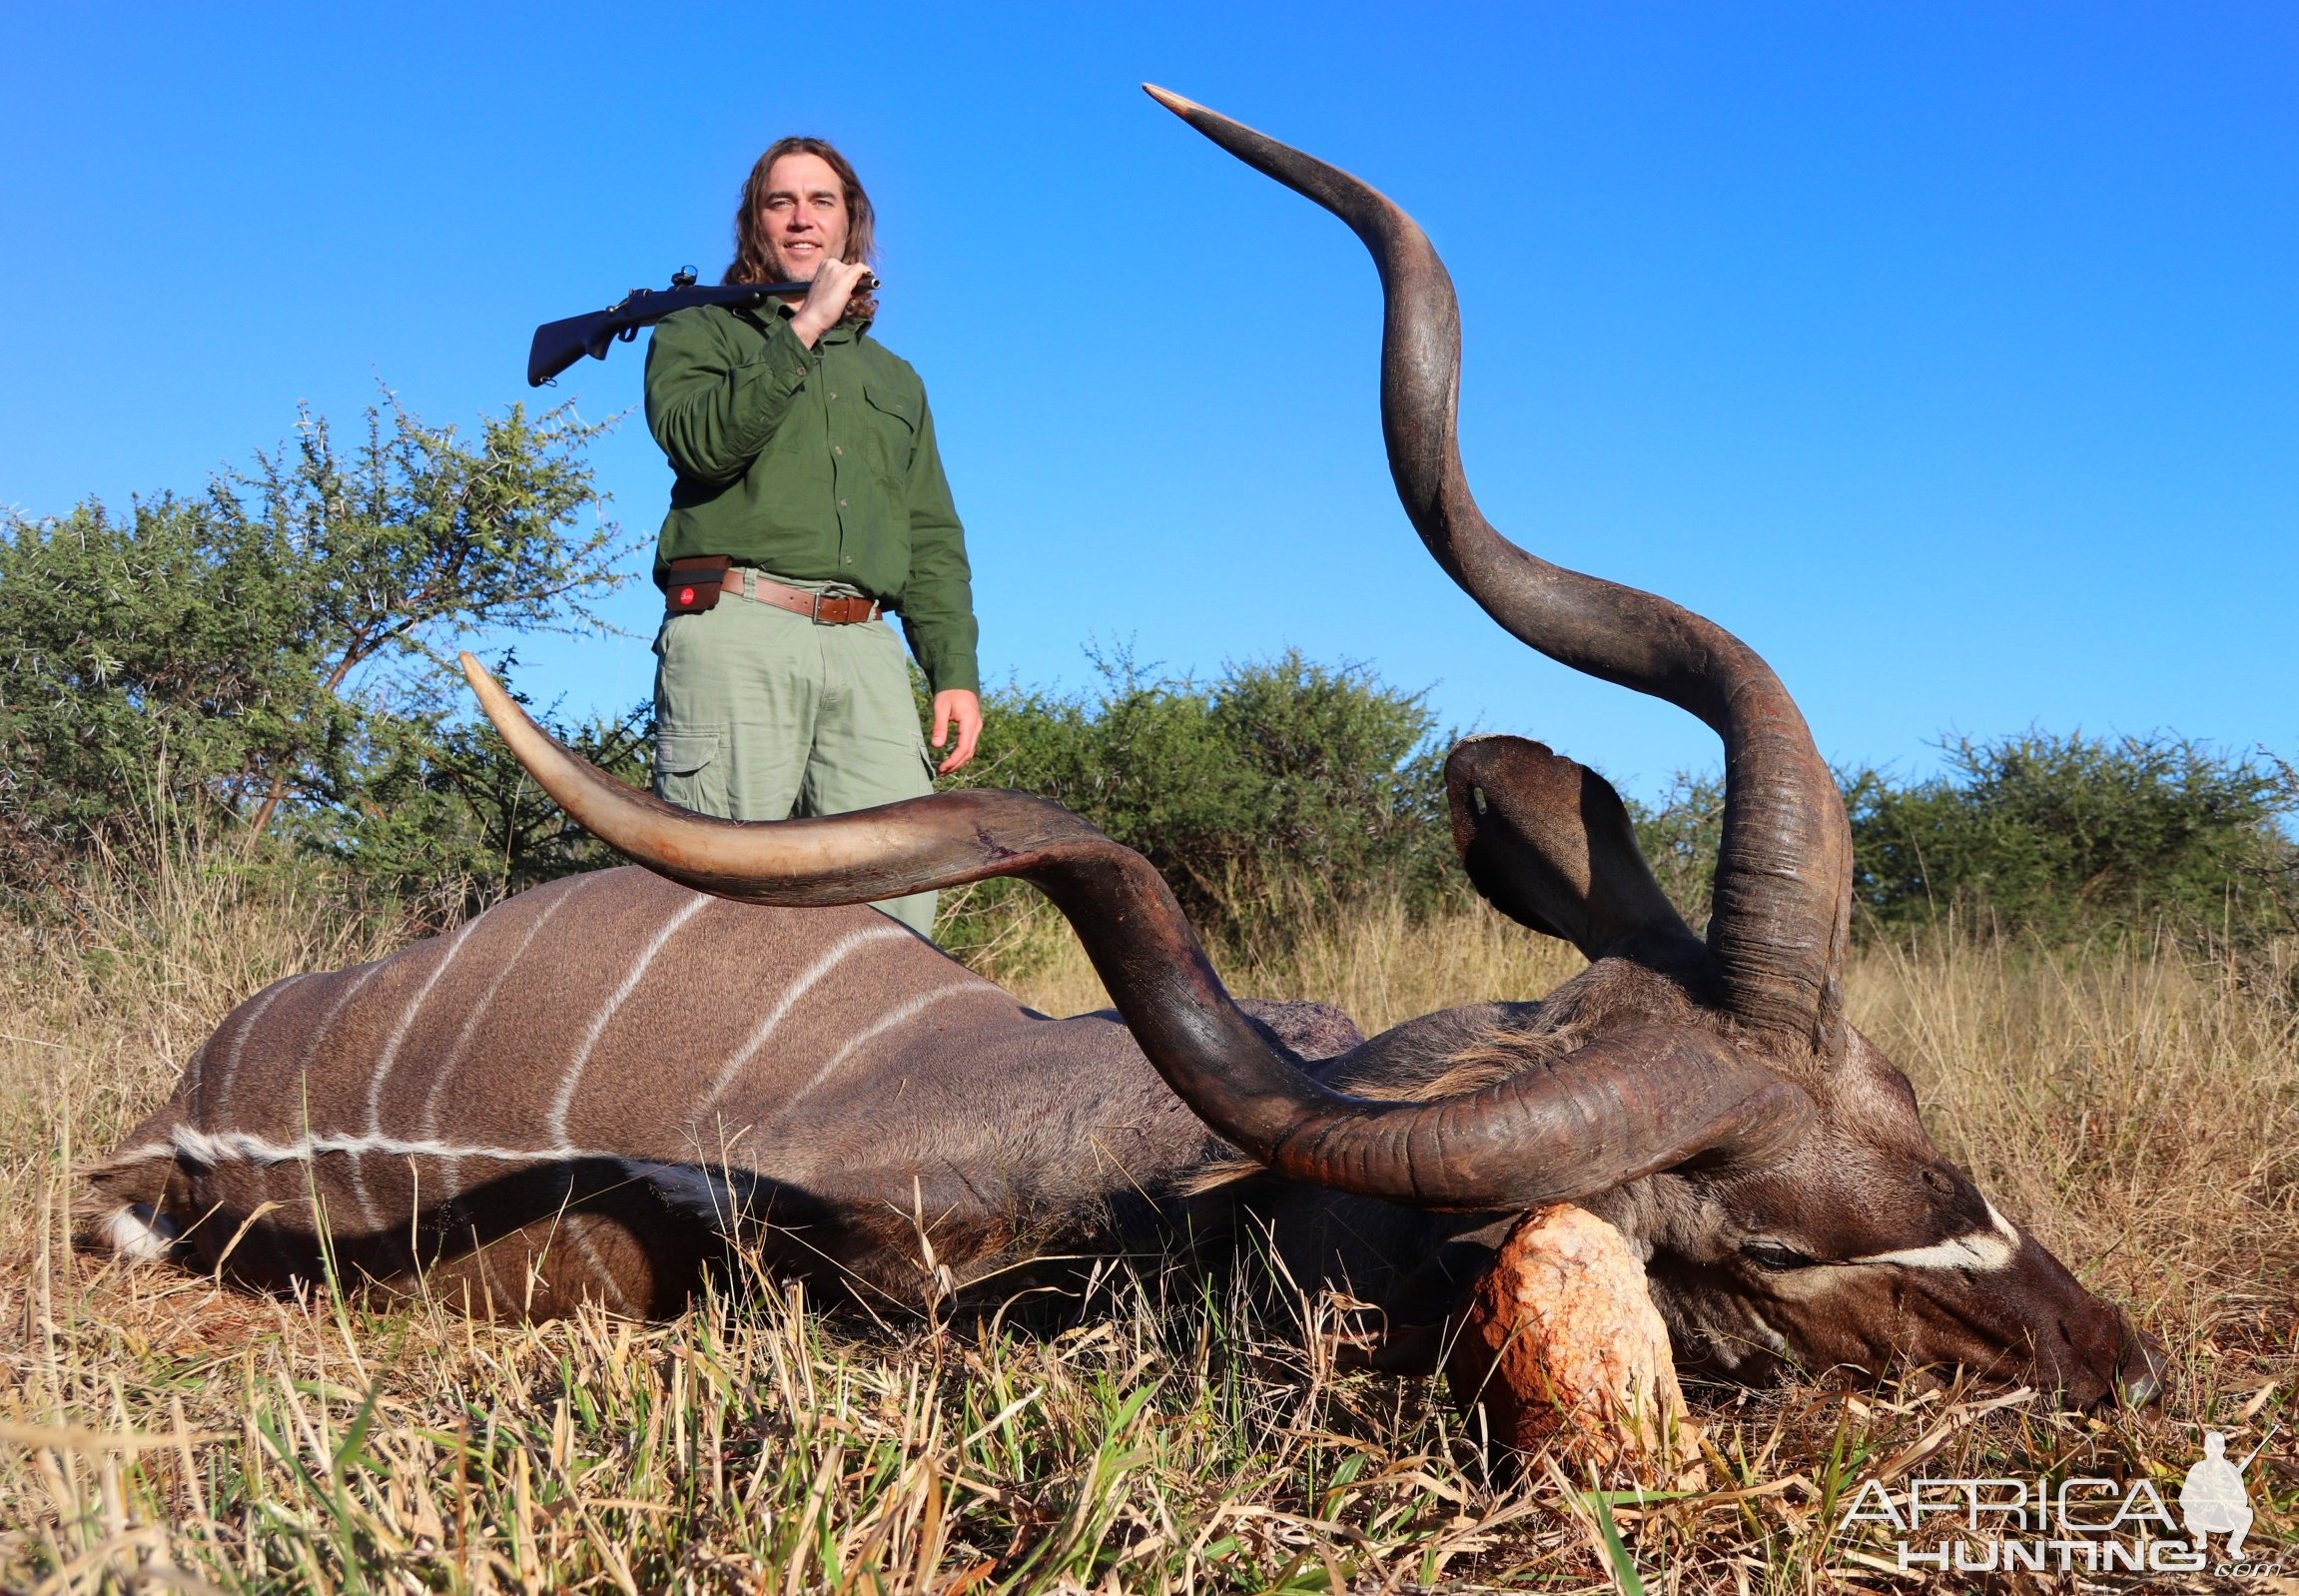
x=693 y=584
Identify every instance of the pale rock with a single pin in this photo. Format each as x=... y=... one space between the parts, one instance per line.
x=1561 y=1345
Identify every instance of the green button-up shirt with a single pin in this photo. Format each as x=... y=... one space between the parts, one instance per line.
x=816 y=464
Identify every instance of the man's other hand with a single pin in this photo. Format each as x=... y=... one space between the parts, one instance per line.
x=826 y=299
x=955 y=705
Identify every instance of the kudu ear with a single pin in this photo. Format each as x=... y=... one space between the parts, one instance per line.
x=1548 y=843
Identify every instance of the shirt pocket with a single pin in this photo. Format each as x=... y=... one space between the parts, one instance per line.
x=893 y=417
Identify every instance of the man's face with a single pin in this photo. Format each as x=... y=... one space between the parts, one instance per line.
x=803 y=217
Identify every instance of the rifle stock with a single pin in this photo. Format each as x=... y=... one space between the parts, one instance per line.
x=558 y=344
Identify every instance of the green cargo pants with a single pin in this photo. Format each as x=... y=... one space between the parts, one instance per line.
x=761 y=714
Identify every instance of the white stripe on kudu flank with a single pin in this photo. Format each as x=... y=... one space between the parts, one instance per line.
x=351 y=989
x=446 y=1068
x=390 y=1053
x=312 y=1047
x=902 y=1016
x=781 y=1010
x=195 y=1075
x=600 y=1271
x=1982 y=1251
x=241 y=1146
x=598 y=1024
x=230 y=1062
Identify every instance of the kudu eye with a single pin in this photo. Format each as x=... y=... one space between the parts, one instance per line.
x=1767 y=1254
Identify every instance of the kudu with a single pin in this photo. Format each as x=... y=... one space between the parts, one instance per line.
x=586 y=1091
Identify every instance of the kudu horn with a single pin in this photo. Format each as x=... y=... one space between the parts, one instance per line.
x=1782 y=898
x=1624 y=1105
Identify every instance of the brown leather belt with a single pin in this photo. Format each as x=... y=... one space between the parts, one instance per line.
x=822 y=607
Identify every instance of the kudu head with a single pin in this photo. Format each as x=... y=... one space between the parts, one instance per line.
x=1861 y=1246
x=1708 y=1096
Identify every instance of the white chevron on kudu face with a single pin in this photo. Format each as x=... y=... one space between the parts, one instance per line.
x=1982 y=1252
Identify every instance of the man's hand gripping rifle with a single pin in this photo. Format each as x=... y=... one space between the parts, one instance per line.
x=558 y=344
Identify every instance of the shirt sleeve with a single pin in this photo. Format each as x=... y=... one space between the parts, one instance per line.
x=711 y=409
x=938 y=603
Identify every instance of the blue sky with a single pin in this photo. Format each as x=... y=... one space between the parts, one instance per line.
x=1944 y=352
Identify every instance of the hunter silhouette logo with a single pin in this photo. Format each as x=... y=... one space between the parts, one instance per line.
x=2087 y=1524
x=2212 y=1499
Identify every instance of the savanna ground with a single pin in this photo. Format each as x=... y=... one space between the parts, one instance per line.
x=2137 y=1109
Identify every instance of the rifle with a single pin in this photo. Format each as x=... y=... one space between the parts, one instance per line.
x=558 y=344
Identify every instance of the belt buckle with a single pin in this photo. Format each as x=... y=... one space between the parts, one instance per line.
x=815 y=615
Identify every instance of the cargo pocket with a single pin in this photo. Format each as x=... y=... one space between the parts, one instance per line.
x=687 y=771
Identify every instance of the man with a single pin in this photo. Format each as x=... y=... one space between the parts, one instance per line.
x=806 y=466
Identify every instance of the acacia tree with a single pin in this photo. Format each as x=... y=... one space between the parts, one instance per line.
x=274 y=641
x=418 y=540
x=447 y=813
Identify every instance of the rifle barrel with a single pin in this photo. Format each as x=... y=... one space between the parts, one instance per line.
x=558 y=344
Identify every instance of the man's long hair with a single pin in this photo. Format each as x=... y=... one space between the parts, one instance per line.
x=753 y=262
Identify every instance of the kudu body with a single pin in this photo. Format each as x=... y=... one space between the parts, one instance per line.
x=584 y=1090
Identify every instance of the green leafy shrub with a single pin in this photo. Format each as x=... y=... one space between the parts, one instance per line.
x=274 y=646
x=447 y=817
x=2064 y=836
x=2055 y=837
x=275 y=650
x=1280 y=787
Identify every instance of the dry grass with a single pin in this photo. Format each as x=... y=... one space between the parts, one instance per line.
x=156 y=1432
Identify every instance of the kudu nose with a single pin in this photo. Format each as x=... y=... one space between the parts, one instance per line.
x=2115 y=1364
x=2143 y=1370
